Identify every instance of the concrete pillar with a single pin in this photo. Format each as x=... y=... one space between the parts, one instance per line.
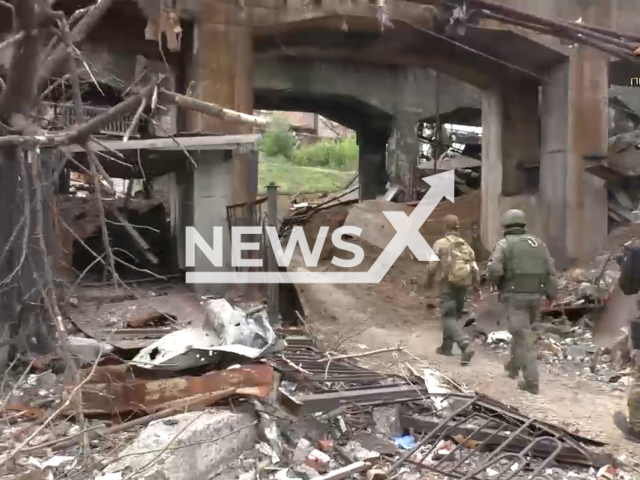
x=510 y=140
x=403 y=152
x=372 y=168
x=221 y=72
x=575 y=122
x=204 y=195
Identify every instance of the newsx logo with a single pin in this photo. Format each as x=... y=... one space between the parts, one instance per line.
x=407 y=235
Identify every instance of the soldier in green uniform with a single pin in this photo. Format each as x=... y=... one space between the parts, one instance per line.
x=522 y=269
x=456 y=271
x=629 y=283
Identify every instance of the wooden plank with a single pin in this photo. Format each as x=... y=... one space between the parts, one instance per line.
x=345 y=472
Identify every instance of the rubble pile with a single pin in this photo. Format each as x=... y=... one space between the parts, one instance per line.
x=225 y=395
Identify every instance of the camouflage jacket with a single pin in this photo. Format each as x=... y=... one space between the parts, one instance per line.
x=495 y=270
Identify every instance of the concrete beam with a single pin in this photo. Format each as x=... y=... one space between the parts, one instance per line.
x=392 y=89
x=623 y=17
x=407 y=48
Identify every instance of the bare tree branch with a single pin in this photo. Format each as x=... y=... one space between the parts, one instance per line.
x=93 y=161
x=54 y=415
x=136 y=119
x=80 y=134
x=16 y=38
x=20 y=90
x=80 y=31
x=211 y=109
x=27 y=220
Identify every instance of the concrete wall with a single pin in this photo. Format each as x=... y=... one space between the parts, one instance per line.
x=204 y=195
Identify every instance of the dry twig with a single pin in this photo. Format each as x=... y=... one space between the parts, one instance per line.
x=365 y=354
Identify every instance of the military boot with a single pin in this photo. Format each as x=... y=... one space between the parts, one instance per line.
x=528 y=387
x=620 y=421
x=442 y=350
x=512 y=371
x=467 y=353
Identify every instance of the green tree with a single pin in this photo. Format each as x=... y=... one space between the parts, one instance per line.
x=278 y=141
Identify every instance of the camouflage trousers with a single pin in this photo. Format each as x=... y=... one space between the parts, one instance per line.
x=452 y=300
x=521 y=311
x=633 y=401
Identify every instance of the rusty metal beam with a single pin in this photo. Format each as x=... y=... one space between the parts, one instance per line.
x=322 y=402
x=117 y=394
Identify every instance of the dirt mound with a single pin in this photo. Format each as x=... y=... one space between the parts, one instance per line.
x=466 y=208
x=331 y=217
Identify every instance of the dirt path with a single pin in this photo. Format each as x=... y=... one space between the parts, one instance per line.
x=390 y=315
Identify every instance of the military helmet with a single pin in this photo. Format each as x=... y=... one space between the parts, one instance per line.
x=451 y=222
x=514 y=218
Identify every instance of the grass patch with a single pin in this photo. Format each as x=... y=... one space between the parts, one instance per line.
x=294 y=179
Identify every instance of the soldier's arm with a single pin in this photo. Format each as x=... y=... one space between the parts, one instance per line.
x=552 y=288
x=495 y=264
x=475 y=272
x=434 y=267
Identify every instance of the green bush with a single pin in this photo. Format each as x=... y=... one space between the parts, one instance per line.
x=278 y=141
x=340 y=155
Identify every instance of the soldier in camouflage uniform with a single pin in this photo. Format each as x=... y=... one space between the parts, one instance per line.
x=629 y=283
x=522 y=269
x=631 y=426
x=453 y=294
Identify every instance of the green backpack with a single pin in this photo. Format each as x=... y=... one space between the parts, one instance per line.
x=526 y=265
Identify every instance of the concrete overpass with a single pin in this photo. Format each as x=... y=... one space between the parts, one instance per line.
x=544 y=102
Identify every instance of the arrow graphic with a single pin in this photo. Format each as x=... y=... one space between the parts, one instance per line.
x=408 y=227
x=407 y=235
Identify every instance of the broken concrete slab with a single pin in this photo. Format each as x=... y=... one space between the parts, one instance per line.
x=198 y=445
x=386 y=421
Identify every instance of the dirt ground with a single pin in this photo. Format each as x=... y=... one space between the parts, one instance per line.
x=398 y=311
x=377 y=316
